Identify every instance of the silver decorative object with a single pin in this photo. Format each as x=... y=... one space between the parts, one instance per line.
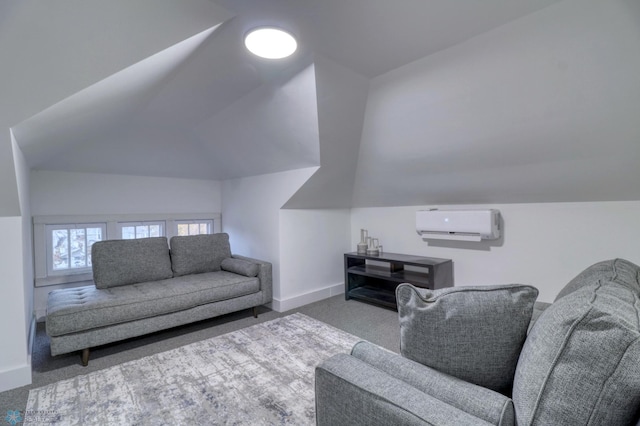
x=362 y=245
x=373 y=249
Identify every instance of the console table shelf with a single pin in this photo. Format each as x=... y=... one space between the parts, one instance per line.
x=374 y=278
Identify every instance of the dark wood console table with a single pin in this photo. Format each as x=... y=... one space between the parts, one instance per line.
x=374 y=278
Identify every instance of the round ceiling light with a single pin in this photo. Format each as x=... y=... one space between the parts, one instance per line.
x=270 y=43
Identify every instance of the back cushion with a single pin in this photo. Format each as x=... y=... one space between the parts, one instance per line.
x=122 y=262
x=196 y=254
x=581 y=361
x=617 y=270
x=473 y=333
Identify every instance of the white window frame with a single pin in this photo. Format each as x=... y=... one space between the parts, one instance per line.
x=208 y=222
x=70 y=270
x=149 y=223
x=44 y=277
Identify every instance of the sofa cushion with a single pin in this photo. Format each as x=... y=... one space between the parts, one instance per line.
x=122 y=262
x=581 y=361
x=473 y=333
x=240 y=266
x=85 y=308
x=617 y=270
x=196 y=254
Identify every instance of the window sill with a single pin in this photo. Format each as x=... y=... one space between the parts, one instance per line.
x=64 y=279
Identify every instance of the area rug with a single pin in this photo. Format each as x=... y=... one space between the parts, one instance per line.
x=260 y=375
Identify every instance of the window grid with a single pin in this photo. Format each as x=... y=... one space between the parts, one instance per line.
x=65 y=257
x=70 y=246
x=194 y=227
x=134 y=230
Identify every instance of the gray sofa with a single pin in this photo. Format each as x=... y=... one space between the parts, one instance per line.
x=469 y=357
x=141 y=286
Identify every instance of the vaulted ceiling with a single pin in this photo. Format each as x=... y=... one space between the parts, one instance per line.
x=165 y=88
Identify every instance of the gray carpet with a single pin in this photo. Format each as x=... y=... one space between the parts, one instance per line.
x=259 y=375
x=372 y=323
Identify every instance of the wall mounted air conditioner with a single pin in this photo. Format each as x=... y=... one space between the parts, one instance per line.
x=459 y=225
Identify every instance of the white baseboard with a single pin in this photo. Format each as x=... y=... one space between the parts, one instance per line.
x=20 y=376
x=15 y=378
x=304 y=299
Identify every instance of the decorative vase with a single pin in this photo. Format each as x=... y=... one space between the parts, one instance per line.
x=373 y=250
x=362 y=245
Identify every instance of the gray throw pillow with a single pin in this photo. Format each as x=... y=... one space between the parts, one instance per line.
x=473 y=333
x=581 y=361
x=240 y=266
x=196 y=254
x=123 y=262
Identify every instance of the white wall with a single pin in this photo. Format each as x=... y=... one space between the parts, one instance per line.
x=15 y=368
x=545 y=245
x=312 y=244
x=16 y=285
x=60 y=193
x=23 y=180
x=341 y=101
x=251 y=215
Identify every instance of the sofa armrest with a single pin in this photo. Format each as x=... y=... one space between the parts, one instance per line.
x=478 y=401
x=264 y=275
x=351 y=392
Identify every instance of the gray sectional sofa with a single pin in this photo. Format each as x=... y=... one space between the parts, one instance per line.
x=142 y=286
x=469 y=357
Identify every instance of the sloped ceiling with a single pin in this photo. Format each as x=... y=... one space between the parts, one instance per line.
x=543 y=109
x=164 y=116
x=164 y=88
x=89 y=119
x=54 y=49
x=175 y=114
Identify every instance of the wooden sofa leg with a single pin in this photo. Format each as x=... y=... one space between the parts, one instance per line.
x=255 y=312
x=85 y=357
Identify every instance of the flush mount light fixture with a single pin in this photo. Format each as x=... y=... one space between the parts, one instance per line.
x=270 y=43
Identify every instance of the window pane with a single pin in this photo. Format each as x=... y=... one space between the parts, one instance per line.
x=131 y=230
x=194 y=227
x=142 y=231
x=60 y=252
x=78 y=248
x=154 y=231
x=93 y=235
x=128 y=232
x=71 y=246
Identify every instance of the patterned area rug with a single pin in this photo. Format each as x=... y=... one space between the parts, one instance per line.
x=260 y=375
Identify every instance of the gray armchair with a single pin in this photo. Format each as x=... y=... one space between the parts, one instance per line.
x=470 y=357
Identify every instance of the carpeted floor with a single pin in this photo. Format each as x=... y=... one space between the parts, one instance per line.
x=260 y=375
x=372 y=323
